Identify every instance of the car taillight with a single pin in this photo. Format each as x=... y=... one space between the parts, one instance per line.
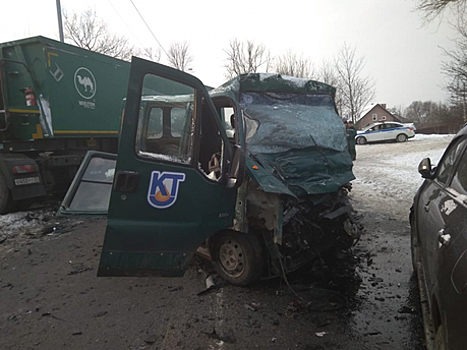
x=23 y=169
x=410 y=128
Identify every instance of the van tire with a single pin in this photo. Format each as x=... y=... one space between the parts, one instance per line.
x=237 y=257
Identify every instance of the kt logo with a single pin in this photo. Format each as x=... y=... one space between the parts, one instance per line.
x=163 y=188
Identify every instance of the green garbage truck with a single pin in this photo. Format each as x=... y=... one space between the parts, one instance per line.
x=57 y=101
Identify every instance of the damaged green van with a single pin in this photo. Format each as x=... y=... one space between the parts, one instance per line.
x=254 y=172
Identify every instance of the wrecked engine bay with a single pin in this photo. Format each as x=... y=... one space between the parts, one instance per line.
x=297 y=231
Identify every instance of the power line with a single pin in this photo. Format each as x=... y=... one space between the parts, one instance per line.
x=128 y=27
x=148 y=27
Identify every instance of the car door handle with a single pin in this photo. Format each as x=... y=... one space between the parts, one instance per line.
x=443 y=238
x=126 y=181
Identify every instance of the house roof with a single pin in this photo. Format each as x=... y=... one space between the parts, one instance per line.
x=368 y=111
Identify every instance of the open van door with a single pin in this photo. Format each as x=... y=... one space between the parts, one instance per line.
x=171 y=189
x=89 y=193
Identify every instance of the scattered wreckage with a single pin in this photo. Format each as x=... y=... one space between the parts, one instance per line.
x=255 y=171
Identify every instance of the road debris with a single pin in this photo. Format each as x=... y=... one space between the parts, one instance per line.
x=210 y=283
x=225 y=338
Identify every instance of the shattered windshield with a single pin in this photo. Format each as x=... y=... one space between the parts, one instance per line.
x=285 y=121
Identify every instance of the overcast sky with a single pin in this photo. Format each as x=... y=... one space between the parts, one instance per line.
x=401 y=55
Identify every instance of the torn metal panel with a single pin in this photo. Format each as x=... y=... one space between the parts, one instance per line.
x=265 y=209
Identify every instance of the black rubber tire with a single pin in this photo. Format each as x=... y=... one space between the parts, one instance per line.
x=237 y=257
x=361 y=140
x=401 y=138
x=5 y=196
x=439 y=343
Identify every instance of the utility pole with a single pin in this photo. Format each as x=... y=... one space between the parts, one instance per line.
x=59 y=17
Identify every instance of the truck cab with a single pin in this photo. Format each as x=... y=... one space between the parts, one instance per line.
x=255 y=171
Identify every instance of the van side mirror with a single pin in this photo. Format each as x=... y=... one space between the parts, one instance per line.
x=424 y=168
x=236 y=173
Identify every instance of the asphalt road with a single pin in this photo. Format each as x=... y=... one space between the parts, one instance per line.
x=51 y=298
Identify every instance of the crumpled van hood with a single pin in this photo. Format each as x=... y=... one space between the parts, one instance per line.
x=295 y=140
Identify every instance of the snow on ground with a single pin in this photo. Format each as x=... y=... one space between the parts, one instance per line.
x=31 y=222
x=391 y=170
x=34 y=223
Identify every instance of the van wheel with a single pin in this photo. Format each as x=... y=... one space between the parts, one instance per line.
x=5 y=197
x=237 y=257
x=361 y=140
x=439 y=339
x=401 y=138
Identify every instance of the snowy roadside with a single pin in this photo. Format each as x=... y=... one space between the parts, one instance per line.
x=391 y=170
x=34 y=223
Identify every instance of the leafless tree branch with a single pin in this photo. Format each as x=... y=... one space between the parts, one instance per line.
x=246 y=57
x=356 y=90
x=432 y=9
x=91 y=33
x=294 y=65
x=179 y=56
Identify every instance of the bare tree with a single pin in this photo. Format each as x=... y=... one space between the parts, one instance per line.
x=294 y=65
x=91 y=33
x=356 y=90
x=179 y=56
x=429 y=112
x=436 y=8
x=246 y=57
x=149 y=53
x=455 y=68
x=328 y=74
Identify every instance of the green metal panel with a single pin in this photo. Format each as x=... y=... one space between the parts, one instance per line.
x=142 y=239
x=79 y=92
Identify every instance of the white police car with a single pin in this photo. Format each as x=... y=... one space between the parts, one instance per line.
x=390 y=131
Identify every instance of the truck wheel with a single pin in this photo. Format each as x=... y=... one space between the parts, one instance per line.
x=5 y=197
x=237 y=257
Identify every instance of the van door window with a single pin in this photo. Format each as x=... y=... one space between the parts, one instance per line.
x=228 y=116
x=155 y=123
x=211 y=146
x=177 y=121
x=166 y=123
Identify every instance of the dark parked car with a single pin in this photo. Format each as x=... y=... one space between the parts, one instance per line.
x=438 y=220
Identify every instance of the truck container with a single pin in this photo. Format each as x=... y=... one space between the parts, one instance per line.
x=57 y=101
